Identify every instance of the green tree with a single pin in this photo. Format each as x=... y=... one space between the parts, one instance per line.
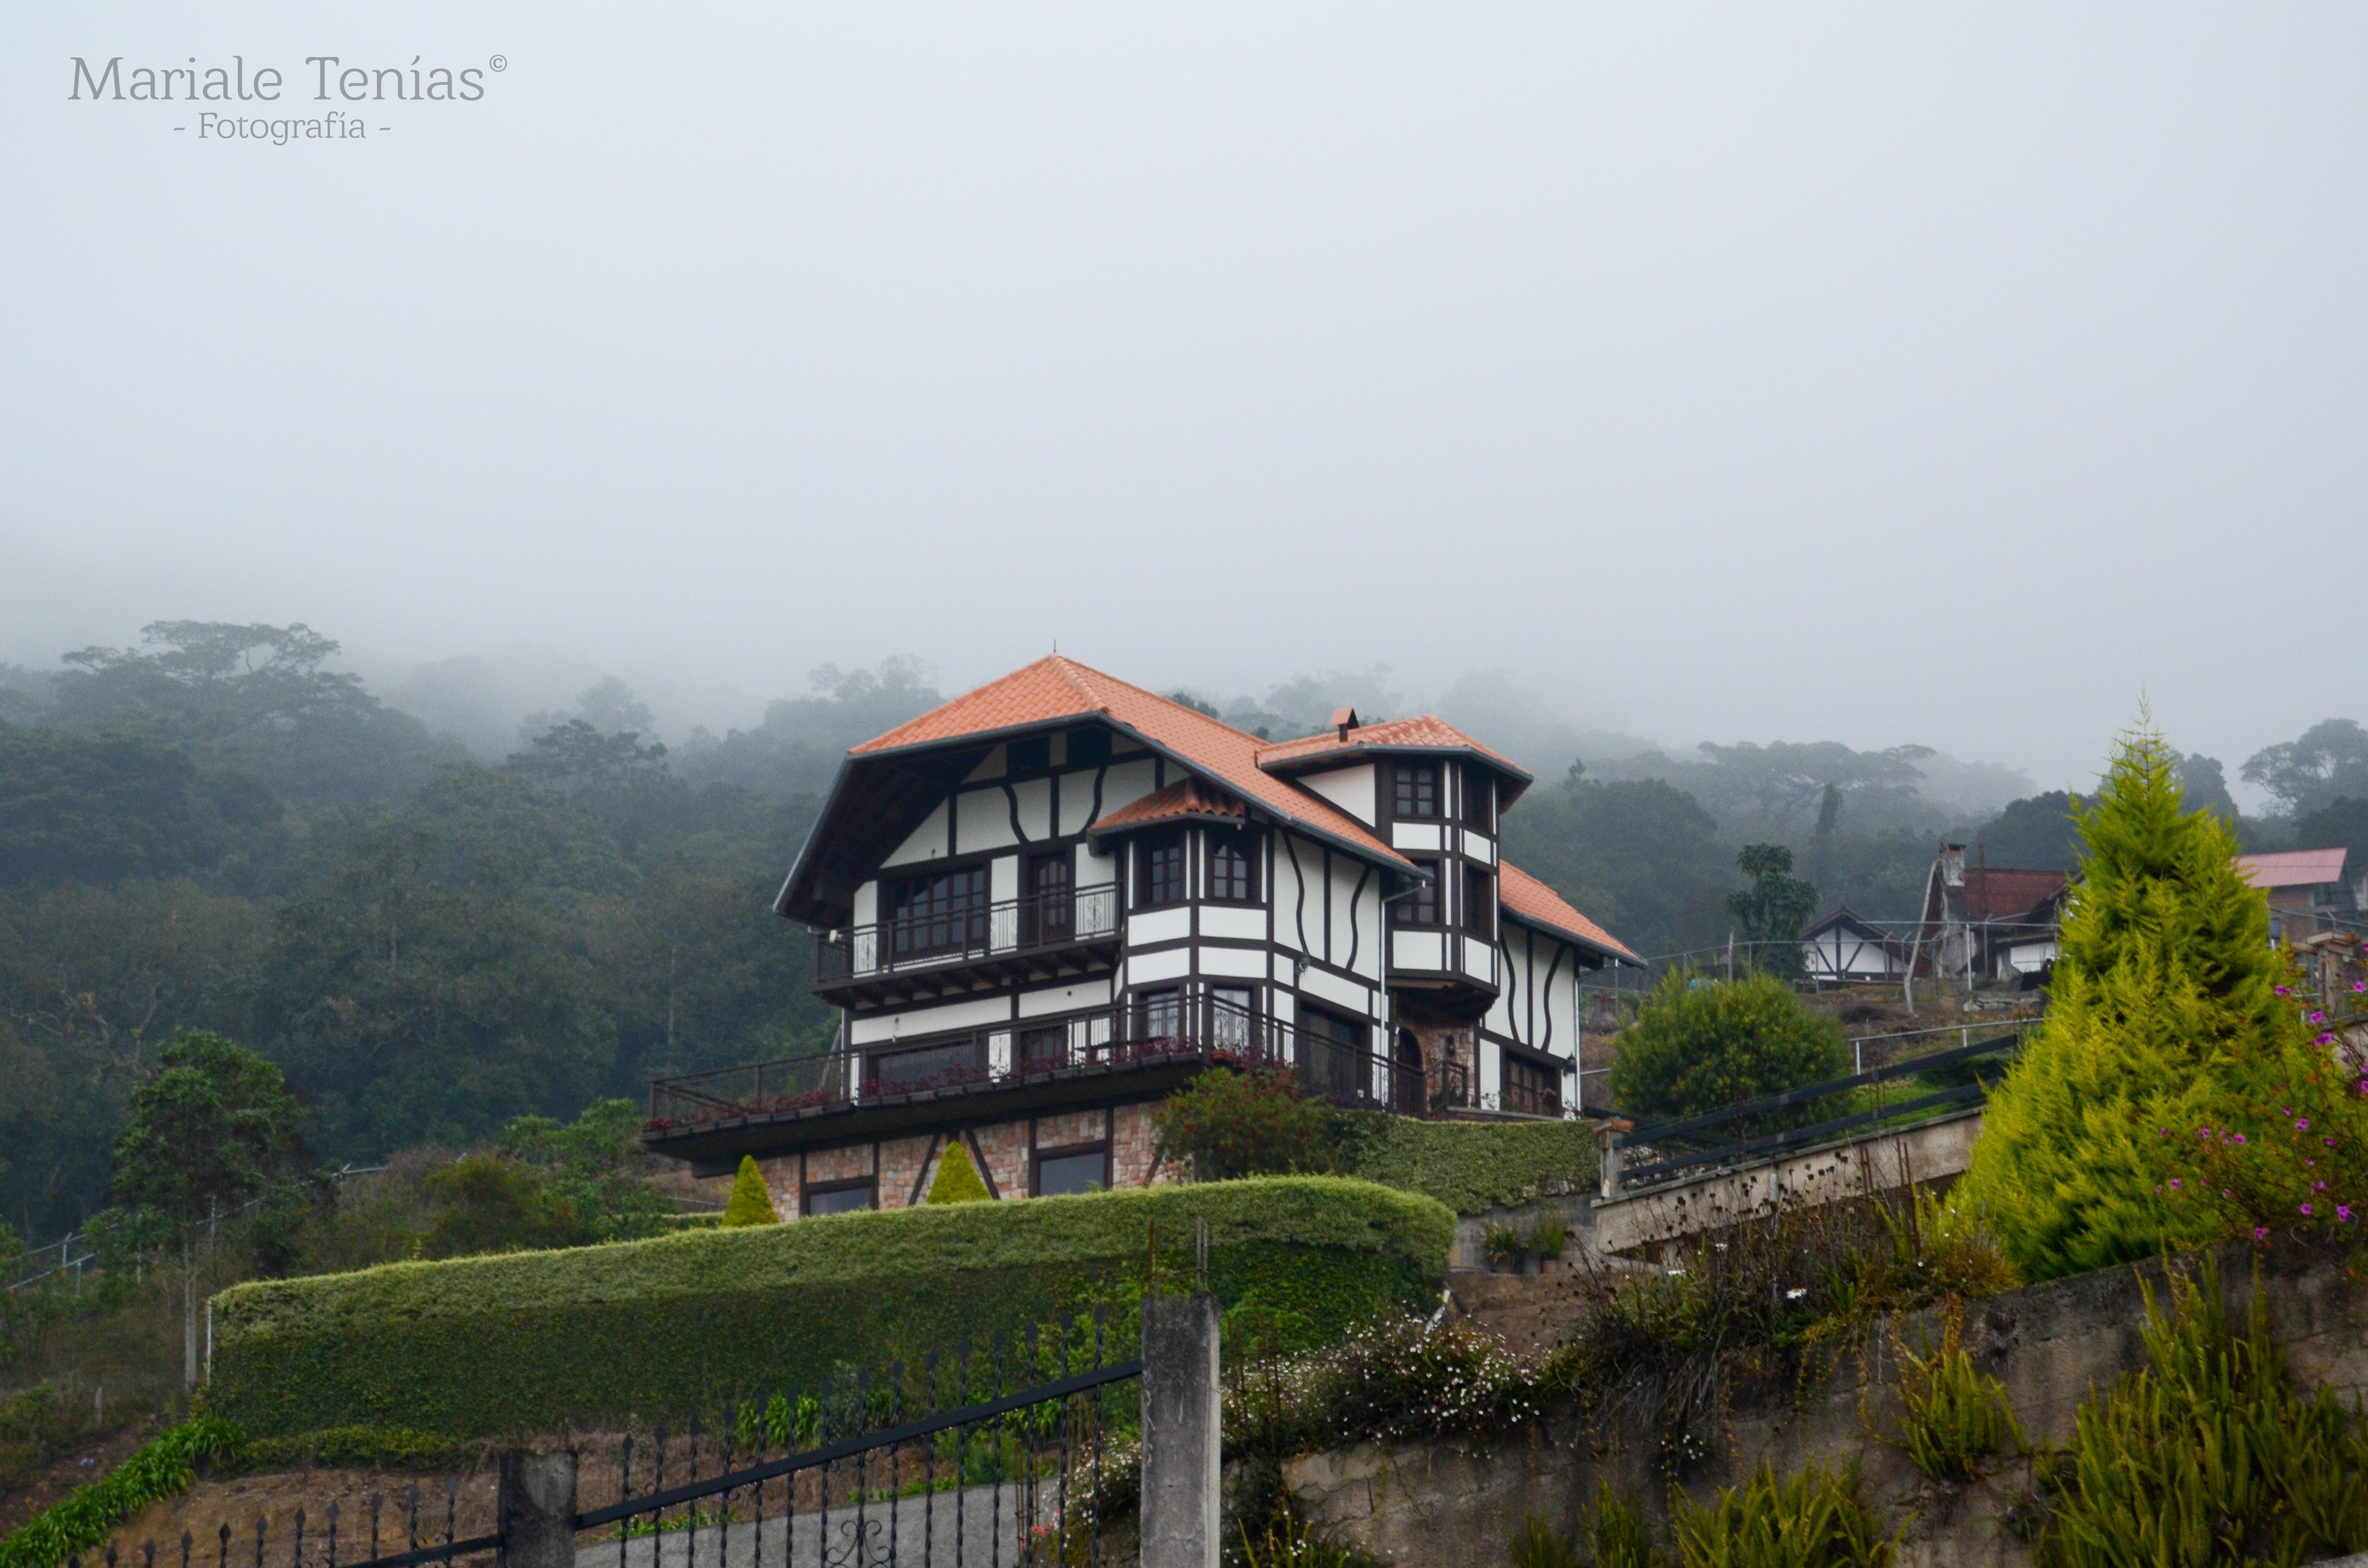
x=1773 y=910
x=1643 y=857
x=1222 y=1125
x=1699 y=1044
x=213 y=1126
x=957 y=1180
x=593 y=1165
x=2165 y=1029
x=2326 y=760
x=2038 y=831
x=750 y=1203
x=486 y=1203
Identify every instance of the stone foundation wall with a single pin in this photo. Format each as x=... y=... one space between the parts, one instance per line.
x=1433 y=1504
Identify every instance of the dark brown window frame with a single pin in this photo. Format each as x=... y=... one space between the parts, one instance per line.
x=963 y=927
x=1479 y=905
x=1542 y=1083
x=1419 y=910
x=1068 y=1152
x=1146 y=889
x=1479 y=788
x=1242 y=846
x=1406 y=785
x=815 y=1189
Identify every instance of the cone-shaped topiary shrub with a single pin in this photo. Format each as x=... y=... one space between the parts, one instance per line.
x=2178 y=1091
x=957 y=1180
x=750 y=1203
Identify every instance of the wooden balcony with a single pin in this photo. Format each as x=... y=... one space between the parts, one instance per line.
x=1045 y=938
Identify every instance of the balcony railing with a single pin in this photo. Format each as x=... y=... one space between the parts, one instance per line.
x=1015 y=926
x=1108 y=1040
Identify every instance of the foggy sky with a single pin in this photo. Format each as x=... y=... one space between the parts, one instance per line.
x=1875 y=373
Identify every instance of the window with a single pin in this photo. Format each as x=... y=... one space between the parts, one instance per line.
x=1479 y=801
x=1159 y=1017
x=1060 y=1170
x=1050 y=912
x=1231 y=1025
x=1090 y=747
x=1231 y=869
x=1029 y=757
x=1415 y=792
x=1044 y=1047
x=1419 y=906
x=840 y=1196
x=1479 y=902
x=1331 y=1053
x=925 y=1067
x=1162 y=873
x=942 y=912
x=1531 y=1088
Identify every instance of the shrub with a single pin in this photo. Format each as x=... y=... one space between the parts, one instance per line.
x=2172 y=1096
x=1223 y=1125
x=1699 y=1044
x=1551 y=1235
x=1814 y=1520
x=2180 y=1464
x=1950 y=1415
x=957 y=1180
x=1616 y=1533
x=491 y=1204
x=750 y=1203
x=162 y=1468
x=1471 y=1166
x=663 y=1327
x=1538 y=1544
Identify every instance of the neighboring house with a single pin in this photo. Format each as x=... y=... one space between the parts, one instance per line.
x=2306 y=885
x=1840 y=945
x=1987 y=922
x=1046 y=904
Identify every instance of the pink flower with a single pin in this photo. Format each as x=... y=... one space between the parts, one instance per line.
x=2326 y=1038
x=2316 y=1017
x=2303 y=1125
x=2260 y=1232
x=2240 y=1138
x=2283 y=990
x=2306 y=1208
x=2174 y=1184
x=2328 y=1142
x=2318 y=1187
x=2343 y=1212
x=2360 y=985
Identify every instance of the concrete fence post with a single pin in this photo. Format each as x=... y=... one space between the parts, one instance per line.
x=535 y=1503
x=1181 y=1431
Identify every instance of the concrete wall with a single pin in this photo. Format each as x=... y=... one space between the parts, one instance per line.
x=1446 y=1502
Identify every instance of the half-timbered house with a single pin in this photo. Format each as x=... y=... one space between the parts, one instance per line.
x=1046 y=904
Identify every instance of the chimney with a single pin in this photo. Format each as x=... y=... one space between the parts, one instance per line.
x=1343 y=721
x=1952 y=865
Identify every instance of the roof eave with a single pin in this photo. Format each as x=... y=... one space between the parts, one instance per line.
x=1614 y=952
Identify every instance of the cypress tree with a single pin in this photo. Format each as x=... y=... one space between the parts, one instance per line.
x=957 y=1180
x=2174 y=1090
x=750 y=1203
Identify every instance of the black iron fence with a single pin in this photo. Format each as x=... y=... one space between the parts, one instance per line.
x=973 y=931
x=1164 y=1029
x=1018 y=1453
x=1898 y=1095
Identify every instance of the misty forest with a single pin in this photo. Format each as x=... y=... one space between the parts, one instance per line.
x=435 y=929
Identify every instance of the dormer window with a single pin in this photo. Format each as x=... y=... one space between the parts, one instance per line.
x=1415 y=790
x=1162 y=871
x=1232 y=872
x=1479 y=801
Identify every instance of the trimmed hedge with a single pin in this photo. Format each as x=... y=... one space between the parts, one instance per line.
x=655 y=1329
x=1471 y=1166
x=162 y=1467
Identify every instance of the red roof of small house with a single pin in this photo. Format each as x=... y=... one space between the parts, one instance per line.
x=1999 y=892
x=1527 y=899
x=1054 y=688
x=2292 y=868
x=1186 y=799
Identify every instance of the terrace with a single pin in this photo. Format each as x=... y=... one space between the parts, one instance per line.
x=1108 y=1055
x=923 y=956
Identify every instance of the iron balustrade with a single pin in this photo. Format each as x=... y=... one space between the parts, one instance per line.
x=1775 y=1124
x=1012 y=926
x=1162 y=1030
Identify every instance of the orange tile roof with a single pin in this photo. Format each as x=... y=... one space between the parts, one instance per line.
x=1427 y=732
x=1526 y=898
x=1185 y=798
x=1054 y=688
